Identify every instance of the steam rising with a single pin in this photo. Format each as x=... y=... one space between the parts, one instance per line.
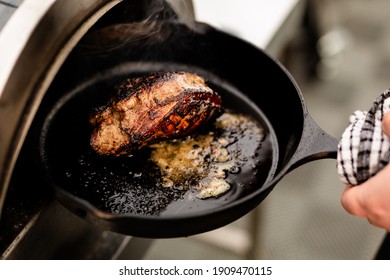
x=146 y=25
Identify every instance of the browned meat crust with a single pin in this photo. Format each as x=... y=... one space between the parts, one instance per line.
x=151 y=108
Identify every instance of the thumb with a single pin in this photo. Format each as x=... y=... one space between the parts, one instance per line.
x=352 y=201
x=386 y=123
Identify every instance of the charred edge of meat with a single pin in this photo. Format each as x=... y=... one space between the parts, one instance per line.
x=155 y=107
x=184 y=118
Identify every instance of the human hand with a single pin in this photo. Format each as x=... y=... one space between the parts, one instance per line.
x=371 y=199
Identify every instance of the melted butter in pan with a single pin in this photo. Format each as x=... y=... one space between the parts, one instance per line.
x=202 y=162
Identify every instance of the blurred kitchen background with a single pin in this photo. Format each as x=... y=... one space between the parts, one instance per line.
x=340 y=57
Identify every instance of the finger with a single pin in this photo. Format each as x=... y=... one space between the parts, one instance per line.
x=352 y=202
x=367 y=199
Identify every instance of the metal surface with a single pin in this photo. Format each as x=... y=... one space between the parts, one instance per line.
x=40 y=33
x=44 y=237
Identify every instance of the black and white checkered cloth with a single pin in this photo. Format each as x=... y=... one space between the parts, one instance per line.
x=364 y=149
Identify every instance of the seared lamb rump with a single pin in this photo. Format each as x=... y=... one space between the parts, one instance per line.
x=151 y=108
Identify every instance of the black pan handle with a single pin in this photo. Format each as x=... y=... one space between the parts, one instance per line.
x=315 y=144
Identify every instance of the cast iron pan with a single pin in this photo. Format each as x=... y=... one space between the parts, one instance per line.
x=120 y=194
